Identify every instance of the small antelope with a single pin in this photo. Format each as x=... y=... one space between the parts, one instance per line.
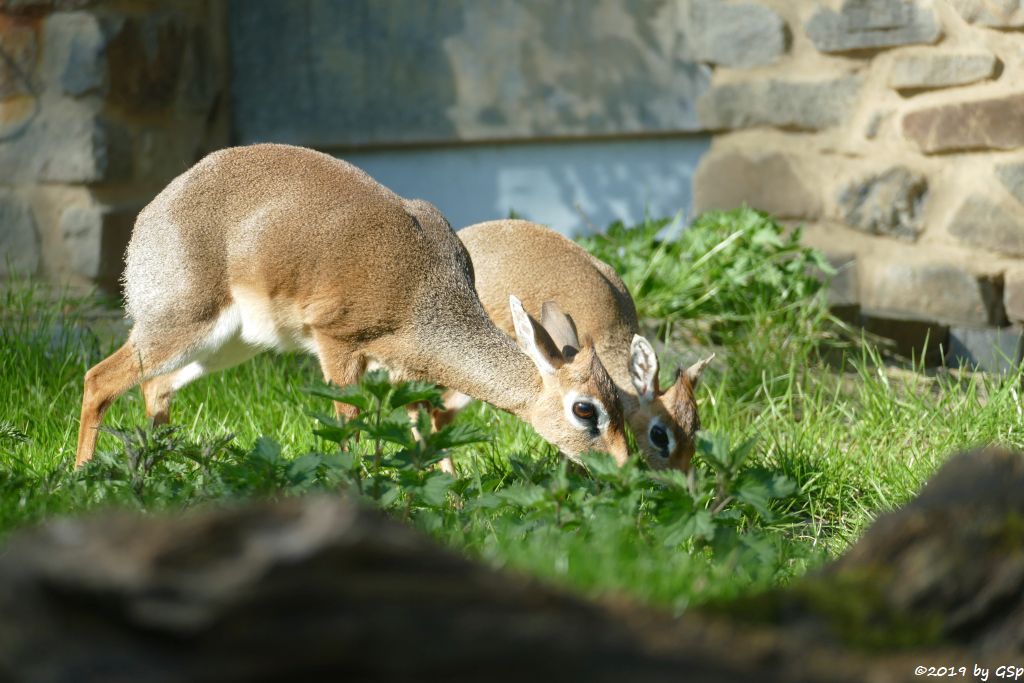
x=543 y=267
x=280 y=247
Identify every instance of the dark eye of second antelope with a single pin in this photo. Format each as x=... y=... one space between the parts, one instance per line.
x=584 y=411
x=659 y=437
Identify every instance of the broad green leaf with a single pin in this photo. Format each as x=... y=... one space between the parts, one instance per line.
x=714 y=447
x=343 y=460
x=377 y=384
x=700 y=524
x=396 y=432
x=601 y=465
x=458 y=434
x=424 y=425
x=754 y=493
x=415 y=392
x=266 y=450
x=782 y=486
x=302 y=469
x=350 y=395
x=389 y=493
x=484 y=501
x=703 y=525
x=671 y=478
x=523 y=495
x=434 y=491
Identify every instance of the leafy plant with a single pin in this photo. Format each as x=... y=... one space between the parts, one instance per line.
x=832 y=448
x=397 y=469
x=721 y=274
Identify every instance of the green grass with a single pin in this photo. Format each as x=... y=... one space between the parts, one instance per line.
x=809 y=434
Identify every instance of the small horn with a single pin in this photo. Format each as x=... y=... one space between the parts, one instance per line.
x=694 y=372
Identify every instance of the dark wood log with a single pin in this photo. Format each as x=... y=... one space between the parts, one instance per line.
x=322 y=589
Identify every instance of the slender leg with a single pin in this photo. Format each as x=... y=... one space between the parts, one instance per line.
x=157 y=393
x=126 y=367
x=342 y=365
x=440 y=418
x=103 y=383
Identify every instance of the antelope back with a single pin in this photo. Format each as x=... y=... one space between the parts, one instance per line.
x=313 y=240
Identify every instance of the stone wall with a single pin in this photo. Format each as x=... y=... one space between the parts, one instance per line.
x=345 y=74
x=894 y=130
x=101 y=104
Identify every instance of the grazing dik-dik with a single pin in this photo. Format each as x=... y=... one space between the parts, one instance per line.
x=280 y=247
x=553 y=274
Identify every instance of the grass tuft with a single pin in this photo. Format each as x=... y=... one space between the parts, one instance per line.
x=809 y=433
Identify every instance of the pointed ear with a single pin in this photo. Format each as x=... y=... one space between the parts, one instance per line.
x=533 y=339
x=561 y=328
x=643 y=368
x=694 y=372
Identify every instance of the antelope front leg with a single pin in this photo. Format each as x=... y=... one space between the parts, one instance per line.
x=342 y=365
x=103 y=383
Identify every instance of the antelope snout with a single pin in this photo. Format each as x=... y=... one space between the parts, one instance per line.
x=618 y=446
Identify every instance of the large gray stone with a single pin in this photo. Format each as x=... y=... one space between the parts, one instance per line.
x=204 y=76
x=66 y=141
x=800 y=105
x=991 y=123
x=928 y=70
x=875 y=123
x=82 y=230
x=95 y=237
x=1011 y=175
x=75 y=44
x=992 y=349
x=995 y=13
x=738 y=35
x=20 y=52
x=909 y=337
x=36 y=7
x=989 y=224
x=1013 y=295
x=769 y=181
x=872 y=25
x=140 y=63
x=937 y=291
x=19 y=238
x=844 y=287
x=145 y=55
x=340 y=73
x=889 y=203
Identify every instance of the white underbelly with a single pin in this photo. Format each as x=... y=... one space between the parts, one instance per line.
x=266 y=324
x=246 y=328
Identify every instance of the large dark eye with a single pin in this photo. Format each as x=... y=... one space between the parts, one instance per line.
x=659 y=437
x=584 y=410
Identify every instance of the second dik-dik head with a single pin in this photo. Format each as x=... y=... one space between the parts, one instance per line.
x=664 y=421
x=578 y=408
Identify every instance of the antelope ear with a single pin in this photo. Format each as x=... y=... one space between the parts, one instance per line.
x=694 y=372
x=643 y=368
x=534 y=340
x=561 y=328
